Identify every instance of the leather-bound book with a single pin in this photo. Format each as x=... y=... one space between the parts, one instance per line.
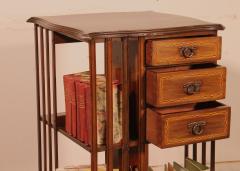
x=101 y=111
x=81 y=110
x=69 y=89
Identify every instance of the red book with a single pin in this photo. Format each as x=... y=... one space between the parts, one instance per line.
x=68 y=90
x=88 y=115
x=81 y=111
x=71 y=104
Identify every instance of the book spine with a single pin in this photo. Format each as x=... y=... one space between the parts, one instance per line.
x=88 y=115
x=68 y=82
x=74 y=108
x=81 y=111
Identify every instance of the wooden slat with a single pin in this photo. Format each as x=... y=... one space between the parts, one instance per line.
x=204 y=153
x=212 y=162
x=54 y=100
x=109 y=120
x=38 y=98
x=125 y=107
x=43 y=99
x=195 y=152
x=143 y=147
x=48 y=101
x=186 y=153
x=92 y=64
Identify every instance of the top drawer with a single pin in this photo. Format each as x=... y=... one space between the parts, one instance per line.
x=182 y=51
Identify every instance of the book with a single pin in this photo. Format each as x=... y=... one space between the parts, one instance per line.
x=81 y=111
x=78 y=117
x=101 y=112
x=70 y=104
x=193 y=165
x=178 y=167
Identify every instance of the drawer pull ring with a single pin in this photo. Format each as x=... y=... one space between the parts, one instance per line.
x=188 y=52
x=191 y=88
x=197 y=128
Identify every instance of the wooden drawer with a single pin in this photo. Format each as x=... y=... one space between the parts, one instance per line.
x=206 y=122
x=182 y=51
x=182 y=87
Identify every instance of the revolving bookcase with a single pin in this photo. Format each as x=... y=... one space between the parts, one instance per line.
x=170 y=83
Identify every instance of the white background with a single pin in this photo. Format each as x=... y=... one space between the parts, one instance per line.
x=18 y=150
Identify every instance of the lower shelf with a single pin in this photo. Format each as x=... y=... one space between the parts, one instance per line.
x=61 y=129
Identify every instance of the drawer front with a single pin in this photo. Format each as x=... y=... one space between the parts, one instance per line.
x=183 y=51
x=187 y=127
x=182 y=87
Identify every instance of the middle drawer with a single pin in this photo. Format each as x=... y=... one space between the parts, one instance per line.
x=183 y=87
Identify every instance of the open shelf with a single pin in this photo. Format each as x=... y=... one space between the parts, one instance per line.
x=101 y=148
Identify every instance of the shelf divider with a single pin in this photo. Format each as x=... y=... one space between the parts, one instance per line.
x=143 y=146
x=92 y=67
x=109 y=102
x=125 y=106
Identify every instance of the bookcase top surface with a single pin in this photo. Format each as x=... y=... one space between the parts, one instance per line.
x=121 y=24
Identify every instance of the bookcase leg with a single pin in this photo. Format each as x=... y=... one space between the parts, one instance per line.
x=54 y=100
x=195 y=152
x=143 y=147
x=186 y=153
x=38 y=98
x=43 y=100
x=212 y=164
x=48 y=102
x=204 y=153
x=92 y=64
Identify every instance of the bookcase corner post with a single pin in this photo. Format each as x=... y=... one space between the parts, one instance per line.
x=92 y=68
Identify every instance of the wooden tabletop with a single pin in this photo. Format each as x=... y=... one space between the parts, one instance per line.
x=120 y=24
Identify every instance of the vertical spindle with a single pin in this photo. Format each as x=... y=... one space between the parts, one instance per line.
x=143 y=147
x=48 y=101
x=125 y=106
x=92 y=64
x=38 y=99
x=54 y=85
x=43 y=100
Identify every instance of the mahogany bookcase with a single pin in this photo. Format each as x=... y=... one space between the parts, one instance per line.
x=130 y=31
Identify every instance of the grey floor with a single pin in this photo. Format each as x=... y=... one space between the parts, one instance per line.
x=228 y=166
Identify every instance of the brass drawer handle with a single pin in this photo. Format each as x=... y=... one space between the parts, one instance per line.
x=191 y=88
x=187 y=52
x=197 y=128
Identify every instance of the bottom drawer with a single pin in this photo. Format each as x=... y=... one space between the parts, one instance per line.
x=203 y=122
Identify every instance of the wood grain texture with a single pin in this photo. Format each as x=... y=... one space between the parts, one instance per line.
x=92 y=67
x=38 y=99
x=167 y=51
x=109 y=104
x=119 y=24
x=172 y=129
x=167 y=89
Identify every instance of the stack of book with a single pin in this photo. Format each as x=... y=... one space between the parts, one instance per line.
x=191 y=165
x=78 y=108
